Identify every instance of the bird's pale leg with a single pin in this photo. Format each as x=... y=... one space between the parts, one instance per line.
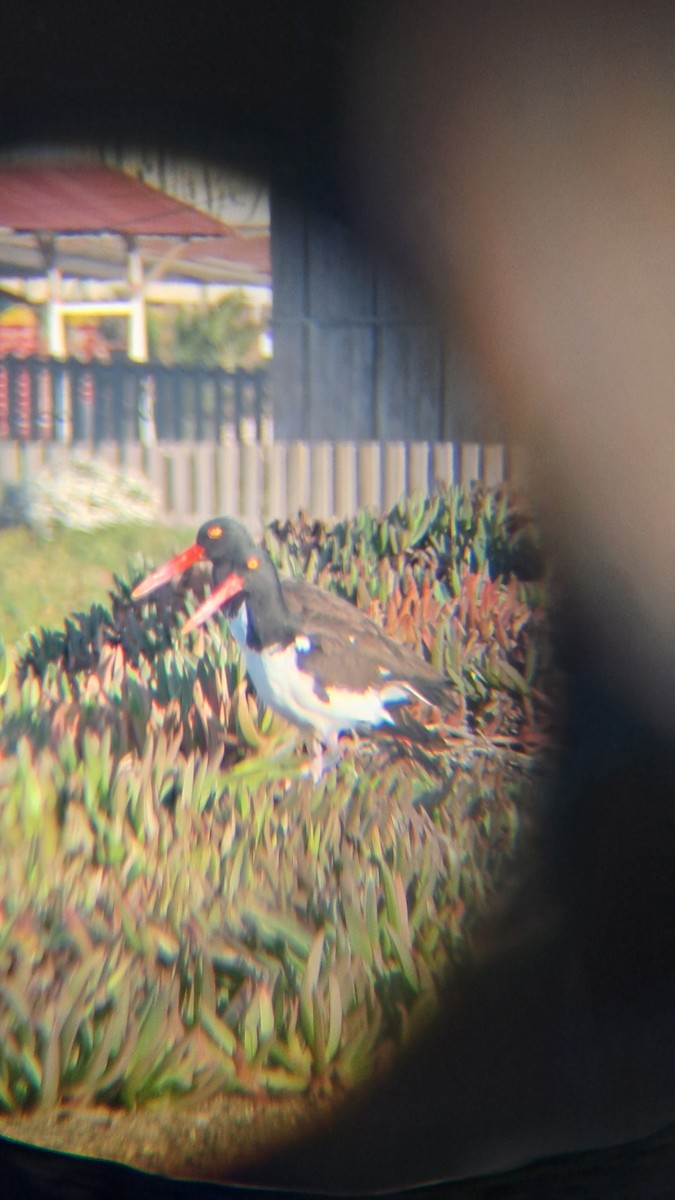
x=332 y=746
x=316 y=763
x=319 y=762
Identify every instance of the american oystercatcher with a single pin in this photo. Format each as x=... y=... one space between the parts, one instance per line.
x=311 y=656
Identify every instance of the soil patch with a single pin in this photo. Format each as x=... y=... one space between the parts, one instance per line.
x=176 y=1139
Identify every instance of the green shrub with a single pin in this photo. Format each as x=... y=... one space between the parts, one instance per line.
x=182 y=909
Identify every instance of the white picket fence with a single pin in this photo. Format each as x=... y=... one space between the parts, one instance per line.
x=257 y=482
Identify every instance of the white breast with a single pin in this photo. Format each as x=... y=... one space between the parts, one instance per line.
x=282 y=686
x=239 y=627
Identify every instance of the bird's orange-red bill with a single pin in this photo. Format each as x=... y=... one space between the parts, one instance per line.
x=170 y=570
x=220 y=595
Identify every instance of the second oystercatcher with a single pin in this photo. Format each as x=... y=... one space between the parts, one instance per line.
x=311 y=656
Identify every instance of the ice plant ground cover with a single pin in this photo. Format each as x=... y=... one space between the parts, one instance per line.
x=181 y=910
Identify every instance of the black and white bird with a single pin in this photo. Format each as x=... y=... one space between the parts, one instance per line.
x=312 y=657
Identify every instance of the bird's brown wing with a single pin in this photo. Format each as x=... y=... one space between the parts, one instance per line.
x=347 y=649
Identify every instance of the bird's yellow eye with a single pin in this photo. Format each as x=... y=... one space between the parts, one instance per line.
x=252 y=563
x=214 y=531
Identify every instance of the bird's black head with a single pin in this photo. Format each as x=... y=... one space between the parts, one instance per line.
x=226 y=543
x=231 y=549
x=242 y=571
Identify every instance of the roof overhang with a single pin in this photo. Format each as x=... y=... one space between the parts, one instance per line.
x=83 y=218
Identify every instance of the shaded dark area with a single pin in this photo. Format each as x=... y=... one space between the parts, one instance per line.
x=557 y=1047
x=640 y=1169
x=354 y=340
x=242 y=82
x=566 y=1038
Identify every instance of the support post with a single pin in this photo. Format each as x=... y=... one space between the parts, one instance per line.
x=61 y=399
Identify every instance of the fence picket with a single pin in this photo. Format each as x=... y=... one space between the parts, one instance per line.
x=418 y=467
x=10 y=471
x=131 y=456
x=204 y=480
x=321 y=490
x=443 y=464
x=394 y=471
x=154 y=468
x=259 y=482
x=469 y=462
x=227 y=479
x=369 y=475
x=275 y=502
x=297 y=476
x=179 y=498
x=346 y=502
x=32 y=456
x=251 y=484
x=215 y=450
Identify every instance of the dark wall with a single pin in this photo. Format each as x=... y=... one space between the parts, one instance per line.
x=356 y=353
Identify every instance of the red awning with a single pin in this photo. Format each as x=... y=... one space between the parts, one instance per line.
x=86 y=211
x=88 y=198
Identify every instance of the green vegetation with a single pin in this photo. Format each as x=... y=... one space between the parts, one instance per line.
x=44 y=579
x=182 y=911
x=216 y=335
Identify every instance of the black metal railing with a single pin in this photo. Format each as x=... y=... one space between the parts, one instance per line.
x=66 y=400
